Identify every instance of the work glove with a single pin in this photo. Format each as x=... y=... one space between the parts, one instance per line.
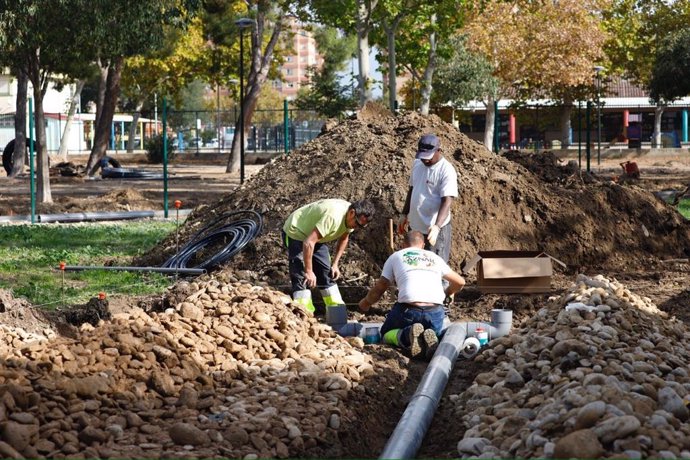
x=433 y=234
x=403 y=224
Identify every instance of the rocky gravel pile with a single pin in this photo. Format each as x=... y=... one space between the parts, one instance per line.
x=599 y=372
x=230 y=369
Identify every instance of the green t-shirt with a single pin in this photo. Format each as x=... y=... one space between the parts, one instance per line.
x=327 y=216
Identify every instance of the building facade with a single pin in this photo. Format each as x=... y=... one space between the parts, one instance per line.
x=295 y=69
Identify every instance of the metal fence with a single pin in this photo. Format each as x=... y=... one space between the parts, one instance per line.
x=540 y=125
x=269 y=131
x=189 y=130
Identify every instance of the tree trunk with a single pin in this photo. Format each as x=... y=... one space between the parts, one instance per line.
x=20 y=124
x=490 y=124
x=102 y=131
x=42 y=167
x=658 y=112
x=392 y=76
x=363 y=26
x=261 y=63
x=429 y=72
x=133 y=127
x=566 y=124
x=100 y=97
x=363 y=65
x=64 y=140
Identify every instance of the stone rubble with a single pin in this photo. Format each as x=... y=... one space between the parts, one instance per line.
x=231 y=370
x=598 y=372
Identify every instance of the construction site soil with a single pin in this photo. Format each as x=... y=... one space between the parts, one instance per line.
x=225 y=365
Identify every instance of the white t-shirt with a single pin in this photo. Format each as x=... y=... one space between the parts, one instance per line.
x=418 y=274
x=429 y=185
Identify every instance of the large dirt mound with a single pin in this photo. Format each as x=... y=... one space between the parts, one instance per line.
x=525 y=202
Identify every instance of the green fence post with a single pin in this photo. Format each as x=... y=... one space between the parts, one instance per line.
x=496 y=127
x=588 y=134
x=31 y=161
x=165 y=158
x=579 y=134
x=286 y=120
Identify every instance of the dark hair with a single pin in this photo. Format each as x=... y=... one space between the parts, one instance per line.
x=364 y=208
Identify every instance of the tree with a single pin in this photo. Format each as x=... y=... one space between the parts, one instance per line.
x=270 y=21
x=537 y=49
x=463 y=76
x=326 y=94
x=183 y=56
x=423 y=39
x=39 y=42
x=637 y=27
x=119 y=29
x=353 y=17
x=670 y=77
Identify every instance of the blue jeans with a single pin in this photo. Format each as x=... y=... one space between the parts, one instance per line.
x=403 y=317
x=442 y=247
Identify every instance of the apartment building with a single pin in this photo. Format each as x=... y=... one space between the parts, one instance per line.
x=294 y=70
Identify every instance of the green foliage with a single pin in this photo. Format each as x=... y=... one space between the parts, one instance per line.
x=30 y=255
x=326 y=94
x=154 y=154
x=463 y=76
x=684 y=207
x=671 y=72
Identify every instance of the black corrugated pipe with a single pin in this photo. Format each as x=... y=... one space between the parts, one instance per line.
x=233 y=229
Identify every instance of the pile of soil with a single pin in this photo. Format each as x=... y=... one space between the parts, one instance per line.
x=521 y=201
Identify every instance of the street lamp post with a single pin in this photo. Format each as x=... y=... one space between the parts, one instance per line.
x=242 y=23
x=598 y=69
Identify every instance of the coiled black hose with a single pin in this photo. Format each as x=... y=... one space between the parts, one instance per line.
x=234 y=229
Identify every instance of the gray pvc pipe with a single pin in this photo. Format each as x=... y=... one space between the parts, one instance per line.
x=414 y=423
x=86 y=216
x=90 y=216
x=181 y=271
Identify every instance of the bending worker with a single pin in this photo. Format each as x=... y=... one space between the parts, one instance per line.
x=305 y=234
x=433 y=185
x=416 y=319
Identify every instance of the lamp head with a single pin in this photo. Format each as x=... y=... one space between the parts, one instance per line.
x=244 y=23
x=598 y=68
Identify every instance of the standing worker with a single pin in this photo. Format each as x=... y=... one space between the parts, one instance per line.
x=433 y=185
x=305 y=234
x=416 y=319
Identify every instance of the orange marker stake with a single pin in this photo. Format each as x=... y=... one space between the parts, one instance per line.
x=62 y=270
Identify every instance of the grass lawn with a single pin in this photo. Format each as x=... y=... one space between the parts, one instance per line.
x=684 y=207
x=30 y=256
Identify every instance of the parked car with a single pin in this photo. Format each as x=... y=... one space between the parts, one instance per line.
x=212 y=143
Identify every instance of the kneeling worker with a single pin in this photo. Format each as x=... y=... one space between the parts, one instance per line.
x=416 y=319
x=305 y=234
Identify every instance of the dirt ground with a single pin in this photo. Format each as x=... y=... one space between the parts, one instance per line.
x=598 y=223
x=192 y=180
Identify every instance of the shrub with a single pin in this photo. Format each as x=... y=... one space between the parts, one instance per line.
x=154 y=153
